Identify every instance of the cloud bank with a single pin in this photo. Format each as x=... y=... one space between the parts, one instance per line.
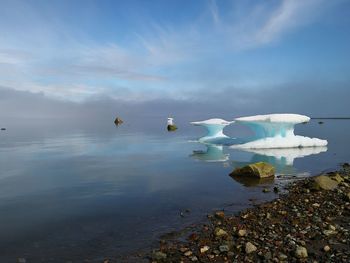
x=225 y=57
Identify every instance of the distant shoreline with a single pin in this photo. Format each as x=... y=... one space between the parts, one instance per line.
x=330 y=118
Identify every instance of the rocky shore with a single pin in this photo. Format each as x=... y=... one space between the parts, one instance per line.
x=308 y=223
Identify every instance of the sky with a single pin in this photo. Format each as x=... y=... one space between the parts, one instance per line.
x=195 y=58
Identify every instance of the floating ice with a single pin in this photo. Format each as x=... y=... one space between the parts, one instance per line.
x=276 y=131
x=214 y=127
x=271 y=131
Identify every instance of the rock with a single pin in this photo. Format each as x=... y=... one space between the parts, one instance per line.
x=220 y=232
x=331 y=227
x=250 y=248
x=275 y=189
x=194 y=258
x=188 y=253
x=326 y=248
x=21 y=260
x=219 y=214
x=301 y=252
x=323 y=182
x=266 y=190
x=242 y=232
x=158 y=255
x=336 y=177
x=118 y=121
x=183 y=249
x=282 y=257
x=329 y=232
x=348 y=197
x=204 y=249
x=172 y=127
x=268 y=256
x=258 y=170
x=224 y=248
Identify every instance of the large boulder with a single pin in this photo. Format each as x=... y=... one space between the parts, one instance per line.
x=336 y=176
x=256 y=170
x=323 y=182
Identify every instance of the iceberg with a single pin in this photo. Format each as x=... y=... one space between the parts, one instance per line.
x=271 y=131
x=276 y=131
x=214 y=128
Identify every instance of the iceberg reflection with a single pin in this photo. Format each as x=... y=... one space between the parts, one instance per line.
x=213 y=153
x=286 y=156
x=281 y=159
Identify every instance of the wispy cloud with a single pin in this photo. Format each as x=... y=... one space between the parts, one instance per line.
x=264 y=24
x=14 y=56
x=289 y=15
x=213 y=8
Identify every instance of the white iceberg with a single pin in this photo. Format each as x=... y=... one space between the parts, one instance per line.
x=214 y=127
x=276 y=131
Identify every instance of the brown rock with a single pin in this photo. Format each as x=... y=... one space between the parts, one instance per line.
x=323 y=182
x=220 y=232
x=301 y=252
x=118 y=121
x=250 y=248
x=220 y=214
x=258 y=170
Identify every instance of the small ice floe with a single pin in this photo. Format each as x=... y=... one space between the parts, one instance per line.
x=214 y=128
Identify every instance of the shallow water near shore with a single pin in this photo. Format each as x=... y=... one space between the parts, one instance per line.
x=80 y=192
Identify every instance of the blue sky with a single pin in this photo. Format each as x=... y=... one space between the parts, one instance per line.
x=141 y=51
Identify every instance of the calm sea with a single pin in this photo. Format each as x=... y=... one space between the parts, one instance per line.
x=75 y=192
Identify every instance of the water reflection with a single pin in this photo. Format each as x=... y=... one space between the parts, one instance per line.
x=251 y=181
x=214 y=153
x=286 y=156
x=281 y=159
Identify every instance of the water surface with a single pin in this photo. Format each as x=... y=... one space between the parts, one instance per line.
x=92 y=191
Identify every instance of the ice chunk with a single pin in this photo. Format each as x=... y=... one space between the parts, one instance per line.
x=290 y=141
x=273 y=125
x=271 y=131
x=214 y=127
x=276 y=131
x=277 y=118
